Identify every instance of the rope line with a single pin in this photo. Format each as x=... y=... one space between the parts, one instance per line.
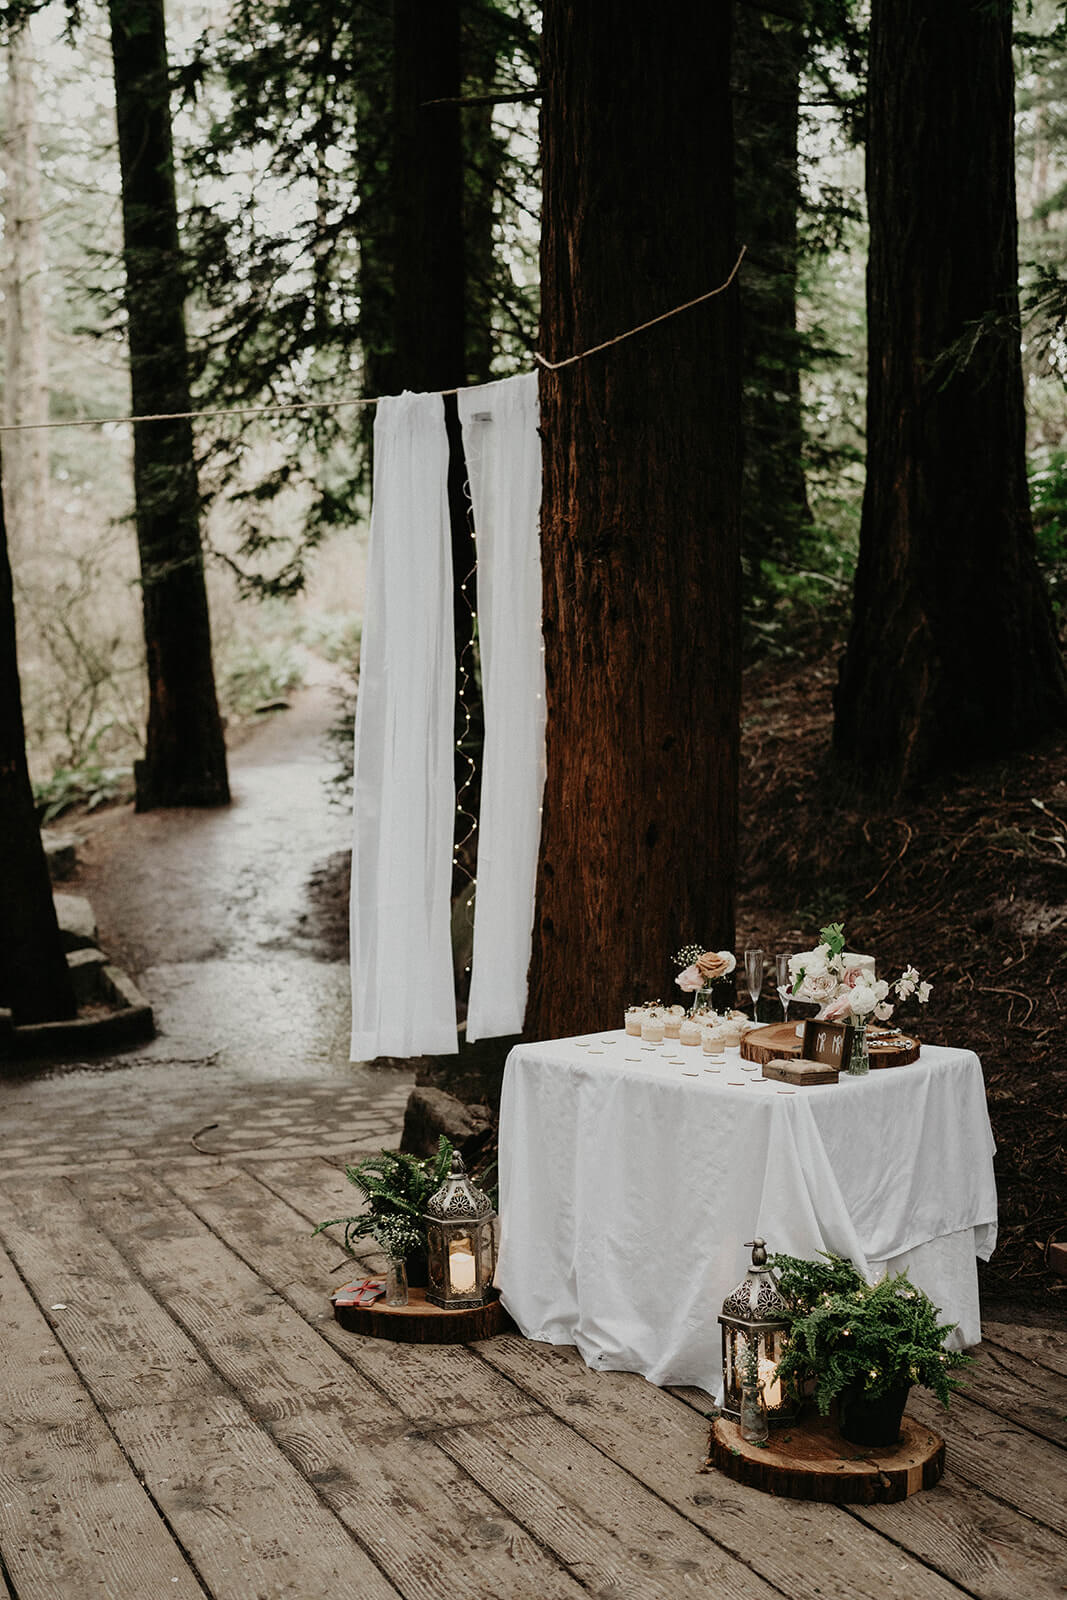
x=363 y=400
x=554 y=366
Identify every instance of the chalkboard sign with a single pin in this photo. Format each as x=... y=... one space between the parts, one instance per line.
x=829 y=1042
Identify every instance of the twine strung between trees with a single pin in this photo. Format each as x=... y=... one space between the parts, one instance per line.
x=364 y=400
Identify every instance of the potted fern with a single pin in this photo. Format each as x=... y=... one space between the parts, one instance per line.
x=862 y=1345
x=396 y=1187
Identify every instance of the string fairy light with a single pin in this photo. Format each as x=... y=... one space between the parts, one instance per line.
x=467 y=663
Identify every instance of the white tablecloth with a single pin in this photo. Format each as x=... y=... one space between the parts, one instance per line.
x=627 y=1191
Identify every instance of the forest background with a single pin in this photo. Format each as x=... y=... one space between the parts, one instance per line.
x=285 y=135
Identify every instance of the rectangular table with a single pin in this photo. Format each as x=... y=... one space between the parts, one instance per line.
x=628 y=1189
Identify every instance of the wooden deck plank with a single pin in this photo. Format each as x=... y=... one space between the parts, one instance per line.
x=73 y=1518
x=991 y=1550
x=611 y=1533
x=1014 y=1386
x=662 y=1443
x=406 y=1501
x=1045 y=1347
x=316 y=1189
x=250 y=1523
x=1006 y=1461
x=431 y=1385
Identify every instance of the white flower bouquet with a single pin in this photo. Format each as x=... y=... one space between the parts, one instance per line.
x=845 y=986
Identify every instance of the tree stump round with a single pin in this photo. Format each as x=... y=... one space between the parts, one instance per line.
x=419 y=1322
x=811 y=1461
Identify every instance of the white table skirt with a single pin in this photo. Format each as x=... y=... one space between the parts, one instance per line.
x=627 y=1191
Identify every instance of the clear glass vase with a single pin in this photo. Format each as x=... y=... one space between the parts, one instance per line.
x=755 y=1428
x=396 y=1282
x=703 y=999
x=859 y=1062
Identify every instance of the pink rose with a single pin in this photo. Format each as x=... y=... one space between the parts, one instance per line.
x=690 y=980
x=852 y=976
x=835 y=1010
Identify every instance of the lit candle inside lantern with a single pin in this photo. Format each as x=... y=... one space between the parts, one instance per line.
x=461 y=1267
x=772 y=1388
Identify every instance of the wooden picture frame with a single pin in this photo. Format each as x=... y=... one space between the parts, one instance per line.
x=828 y=1042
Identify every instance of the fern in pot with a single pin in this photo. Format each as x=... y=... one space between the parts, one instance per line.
x=862 y=1345
x=396 y=1187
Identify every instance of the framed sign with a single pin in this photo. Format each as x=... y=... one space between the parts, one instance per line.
x=829 y=1042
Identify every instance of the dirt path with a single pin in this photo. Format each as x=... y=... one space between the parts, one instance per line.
x=210 y=911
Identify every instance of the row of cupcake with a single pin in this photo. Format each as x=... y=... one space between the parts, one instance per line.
x=655 y=1022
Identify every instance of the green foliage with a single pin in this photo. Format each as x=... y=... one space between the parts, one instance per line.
x=844 y=1332
x=396 y=1187
x=1048 y=500
x=253 y=671
x=87 y=786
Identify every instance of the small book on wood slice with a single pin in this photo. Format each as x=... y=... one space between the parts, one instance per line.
x=800 y=1071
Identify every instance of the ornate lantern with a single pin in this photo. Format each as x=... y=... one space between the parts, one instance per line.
x=755 y=1314
x=459 y=1242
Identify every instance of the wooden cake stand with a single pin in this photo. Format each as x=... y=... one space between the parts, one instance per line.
x=811 y=1461
x=780 y=1041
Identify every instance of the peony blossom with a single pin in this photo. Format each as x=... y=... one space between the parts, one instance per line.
x=864 y=1000
x=690 y=980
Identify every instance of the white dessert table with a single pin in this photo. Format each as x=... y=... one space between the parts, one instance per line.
x=631 y=1177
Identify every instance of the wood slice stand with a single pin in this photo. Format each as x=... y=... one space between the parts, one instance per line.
x=419 y=1322
x=779 y=1041
x=811 y=1461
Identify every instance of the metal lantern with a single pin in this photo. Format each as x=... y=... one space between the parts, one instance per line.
x=755 y=1312
x=459 y=1242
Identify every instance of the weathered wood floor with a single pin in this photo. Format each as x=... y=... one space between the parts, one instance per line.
x=180 y=1415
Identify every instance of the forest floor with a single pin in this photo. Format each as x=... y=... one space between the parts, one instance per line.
x=969 y=885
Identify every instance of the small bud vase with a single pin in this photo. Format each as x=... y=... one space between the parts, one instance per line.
x=859 y=1062
x=396 y=1282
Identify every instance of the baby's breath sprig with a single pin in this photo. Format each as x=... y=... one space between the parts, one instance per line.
x=688 y=954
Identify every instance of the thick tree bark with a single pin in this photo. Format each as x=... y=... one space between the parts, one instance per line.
x=185 y=754
x=34 y=978
x=768 y=54
x=953 y=653
x=427 y=182
x=640 y=507
x=25 y=358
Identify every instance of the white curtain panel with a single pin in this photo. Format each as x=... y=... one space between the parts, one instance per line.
x=503 y=454
x=403 y=994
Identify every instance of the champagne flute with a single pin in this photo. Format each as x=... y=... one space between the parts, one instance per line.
x=754 y=977
x=785 y=986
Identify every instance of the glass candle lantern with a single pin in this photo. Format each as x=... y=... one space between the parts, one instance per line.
x=459 y=1242
x=755 y=1313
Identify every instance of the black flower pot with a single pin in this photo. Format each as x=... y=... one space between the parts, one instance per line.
x=418 y=1269
x=871 y=1420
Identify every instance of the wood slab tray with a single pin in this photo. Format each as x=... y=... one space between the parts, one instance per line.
x=419 y=1322
x=811 y=1461
x=780 y=1039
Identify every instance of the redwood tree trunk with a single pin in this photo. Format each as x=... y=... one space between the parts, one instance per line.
x=640 y=507
x=185 y=754
x=953 y=653
x=34 y=979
